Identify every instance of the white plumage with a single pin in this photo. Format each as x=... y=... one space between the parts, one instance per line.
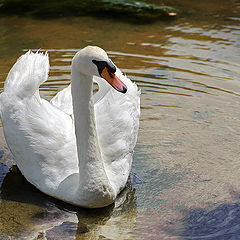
x=80 y=153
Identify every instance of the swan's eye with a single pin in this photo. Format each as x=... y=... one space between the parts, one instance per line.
x=104 y=64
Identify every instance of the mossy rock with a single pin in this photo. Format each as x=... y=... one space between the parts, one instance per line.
x=117 y=9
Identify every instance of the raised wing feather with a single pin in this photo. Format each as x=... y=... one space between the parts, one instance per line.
x=27 y=74
x=40 y=136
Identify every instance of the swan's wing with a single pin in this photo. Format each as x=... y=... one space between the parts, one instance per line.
x=40 y=136
x=27 y=74
x=117 y=119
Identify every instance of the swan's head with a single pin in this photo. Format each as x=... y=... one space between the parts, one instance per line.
x=94 y=61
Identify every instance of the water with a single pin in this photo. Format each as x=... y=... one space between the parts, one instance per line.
x=187 y=154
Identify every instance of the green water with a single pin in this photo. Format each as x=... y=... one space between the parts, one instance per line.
x=188 y=147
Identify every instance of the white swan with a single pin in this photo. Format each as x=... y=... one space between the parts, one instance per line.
x=84 y=160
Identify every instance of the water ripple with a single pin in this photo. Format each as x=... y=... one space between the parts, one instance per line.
x=177 y=69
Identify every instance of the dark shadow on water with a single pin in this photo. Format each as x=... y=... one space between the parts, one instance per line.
x=23 y=209
x=221 y=223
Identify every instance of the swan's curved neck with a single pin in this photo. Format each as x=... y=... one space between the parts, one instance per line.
x=91 y=167
x=84 y=118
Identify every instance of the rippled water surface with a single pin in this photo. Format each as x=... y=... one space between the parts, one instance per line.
x=187 y=157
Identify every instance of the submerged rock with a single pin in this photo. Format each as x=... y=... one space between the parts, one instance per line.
x=118 y=9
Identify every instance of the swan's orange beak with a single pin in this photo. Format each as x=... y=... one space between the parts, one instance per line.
x=113 y=80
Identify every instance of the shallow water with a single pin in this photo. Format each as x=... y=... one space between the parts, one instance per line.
x=188 y=147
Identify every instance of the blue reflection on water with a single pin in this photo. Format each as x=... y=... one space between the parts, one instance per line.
x=3 y=171
x=221 y=223
x=135 y=179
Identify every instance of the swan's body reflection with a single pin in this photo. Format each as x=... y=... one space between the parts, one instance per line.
x=26 y=213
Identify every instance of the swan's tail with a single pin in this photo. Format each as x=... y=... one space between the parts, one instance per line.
x=27 y=74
